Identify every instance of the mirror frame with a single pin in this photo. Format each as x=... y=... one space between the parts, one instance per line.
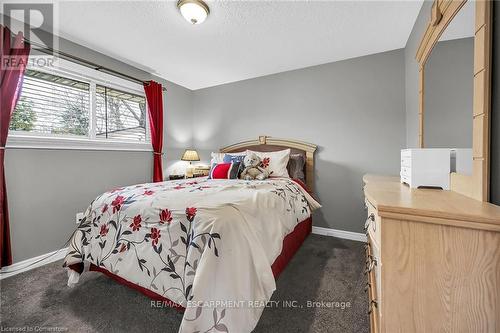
x=443 y=11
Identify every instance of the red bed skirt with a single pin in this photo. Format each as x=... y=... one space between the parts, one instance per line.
x=291 y=244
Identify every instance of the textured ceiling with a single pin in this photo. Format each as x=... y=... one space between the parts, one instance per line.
x=240 y=39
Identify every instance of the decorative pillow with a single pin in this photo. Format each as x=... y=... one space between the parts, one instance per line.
x=295 y=166
x=274 y=161
x=228 y=158
x=224 y=170
x=219 y=157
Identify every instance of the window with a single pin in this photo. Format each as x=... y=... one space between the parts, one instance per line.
x=75 y=107
x=51 y=104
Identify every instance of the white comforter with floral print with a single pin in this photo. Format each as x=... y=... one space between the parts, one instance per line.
x=207 y=245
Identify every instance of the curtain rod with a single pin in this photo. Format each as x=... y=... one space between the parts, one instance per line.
x=81 y=61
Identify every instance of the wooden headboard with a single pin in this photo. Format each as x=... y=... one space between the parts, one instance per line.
x=267 y=143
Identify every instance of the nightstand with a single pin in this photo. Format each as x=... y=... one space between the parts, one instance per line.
x=196 y=175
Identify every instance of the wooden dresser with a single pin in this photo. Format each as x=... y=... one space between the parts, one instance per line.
x=433 y=259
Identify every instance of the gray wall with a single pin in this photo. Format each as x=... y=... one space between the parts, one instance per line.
x=495 y=109
x=353 y=110
x=46 y=188
x=411 y=75
x=449 y=85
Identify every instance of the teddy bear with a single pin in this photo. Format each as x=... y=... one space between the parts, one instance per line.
x=252 y=169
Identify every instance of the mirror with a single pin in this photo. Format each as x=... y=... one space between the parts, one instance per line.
x=444 y=15
x=448 y=85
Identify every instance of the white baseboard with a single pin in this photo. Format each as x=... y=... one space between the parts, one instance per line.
x=355 y=236
x=31 y=263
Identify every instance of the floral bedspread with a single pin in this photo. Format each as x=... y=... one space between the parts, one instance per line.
x=207 y=245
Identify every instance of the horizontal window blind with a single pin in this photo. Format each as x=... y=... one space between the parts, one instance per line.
x=120 y=115
x=52 y=104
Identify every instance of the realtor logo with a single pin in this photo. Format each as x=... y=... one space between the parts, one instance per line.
x=36 y=22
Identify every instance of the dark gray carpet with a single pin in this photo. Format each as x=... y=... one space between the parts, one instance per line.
x=325 y=269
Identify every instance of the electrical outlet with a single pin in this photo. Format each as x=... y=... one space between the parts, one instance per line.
x=79 y=217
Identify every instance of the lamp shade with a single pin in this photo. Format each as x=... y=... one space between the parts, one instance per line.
x=190 y=155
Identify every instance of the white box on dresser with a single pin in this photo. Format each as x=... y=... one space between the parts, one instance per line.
x=426 y=167
x=461 y=160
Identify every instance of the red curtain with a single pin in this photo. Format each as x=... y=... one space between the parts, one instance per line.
x=14 y=56
x=154 y=95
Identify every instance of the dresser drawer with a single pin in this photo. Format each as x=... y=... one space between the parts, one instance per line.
x=405 y=179
x=406 y=161
x=405 y=153
x=406 y=171
x=372 y=224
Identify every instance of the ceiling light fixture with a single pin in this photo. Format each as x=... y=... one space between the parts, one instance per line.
x=194 y=11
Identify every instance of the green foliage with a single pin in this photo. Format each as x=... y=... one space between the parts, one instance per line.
x=23 y=118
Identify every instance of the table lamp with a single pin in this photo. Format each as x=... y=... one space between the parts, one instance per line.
x=190 y=155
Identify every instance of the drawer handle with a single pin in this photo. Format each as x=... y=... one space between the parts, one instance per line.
x=372 y=264
x=373 y=304
x=370 y=219
x=367 y=248
x=368 y=286
x=368 y=262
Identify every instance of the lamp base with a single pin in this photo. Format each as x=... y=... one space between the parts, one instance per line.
x=189 y=171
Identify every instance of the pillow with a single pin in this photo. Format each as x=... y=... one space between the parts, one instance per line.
x=224 y=170
x=295 y=166
x=219 y=157
x=228 y=158
x=216 y=158
x=274 y=161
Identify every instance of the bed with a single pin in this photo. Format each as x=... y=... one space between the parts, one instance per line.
x=203 y=246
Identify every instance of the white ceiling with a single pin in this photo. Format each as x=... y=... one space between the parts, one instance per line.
x=240 y=39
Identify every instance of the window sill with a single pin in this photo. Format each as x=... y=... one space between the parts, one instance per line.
x=42 y=142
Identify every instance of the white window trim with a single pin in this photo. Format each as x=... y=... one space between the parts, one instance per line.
x=50 y=142
x=27 y=140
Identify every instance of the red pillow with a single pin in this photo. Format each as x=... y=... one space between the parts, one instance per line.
x=220 y=171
